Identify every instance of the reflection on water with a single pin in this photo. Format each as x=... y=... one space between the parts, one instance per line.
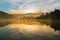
x=30 y=29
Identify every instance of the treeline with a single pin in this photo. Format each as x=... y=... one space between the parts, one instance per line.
x=52 y=15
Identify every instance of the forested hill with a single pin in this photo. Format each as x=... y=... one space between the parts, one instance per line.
x=52 y=15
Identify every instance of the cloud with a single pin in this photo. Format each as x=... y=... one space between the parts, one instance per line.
x=27 y=4
x=14 y=2
x=51 y=1
x=57 y=5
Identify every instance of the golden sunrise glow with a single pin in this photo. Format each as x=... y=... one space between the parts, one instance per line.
x=25 y=28
x=24 y=11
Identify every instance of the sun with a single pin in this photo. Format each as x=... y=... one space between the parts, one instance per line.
x=30 y=11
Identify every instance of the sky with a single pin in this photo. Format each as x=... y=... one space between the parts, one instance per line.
x=20 y=5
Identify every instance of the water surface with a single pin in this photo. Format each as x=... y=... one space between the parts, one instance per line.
x=29 y=29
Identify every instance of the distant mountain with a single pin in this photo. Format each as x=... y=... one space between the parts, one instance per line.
x=52 y=15
x=4 y=15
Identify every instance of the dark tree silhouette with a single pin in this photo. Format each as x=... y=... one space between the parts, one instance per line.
x=52 y=15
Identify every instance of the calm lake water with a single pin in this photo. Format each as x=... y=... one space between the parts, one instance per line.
x=29 y=29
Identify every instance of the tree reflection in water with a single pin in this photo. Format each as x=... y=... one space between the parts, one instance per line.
x=55 y=24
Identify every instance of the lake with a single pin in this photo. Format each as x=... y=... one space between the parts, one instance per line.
x=29 y=29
